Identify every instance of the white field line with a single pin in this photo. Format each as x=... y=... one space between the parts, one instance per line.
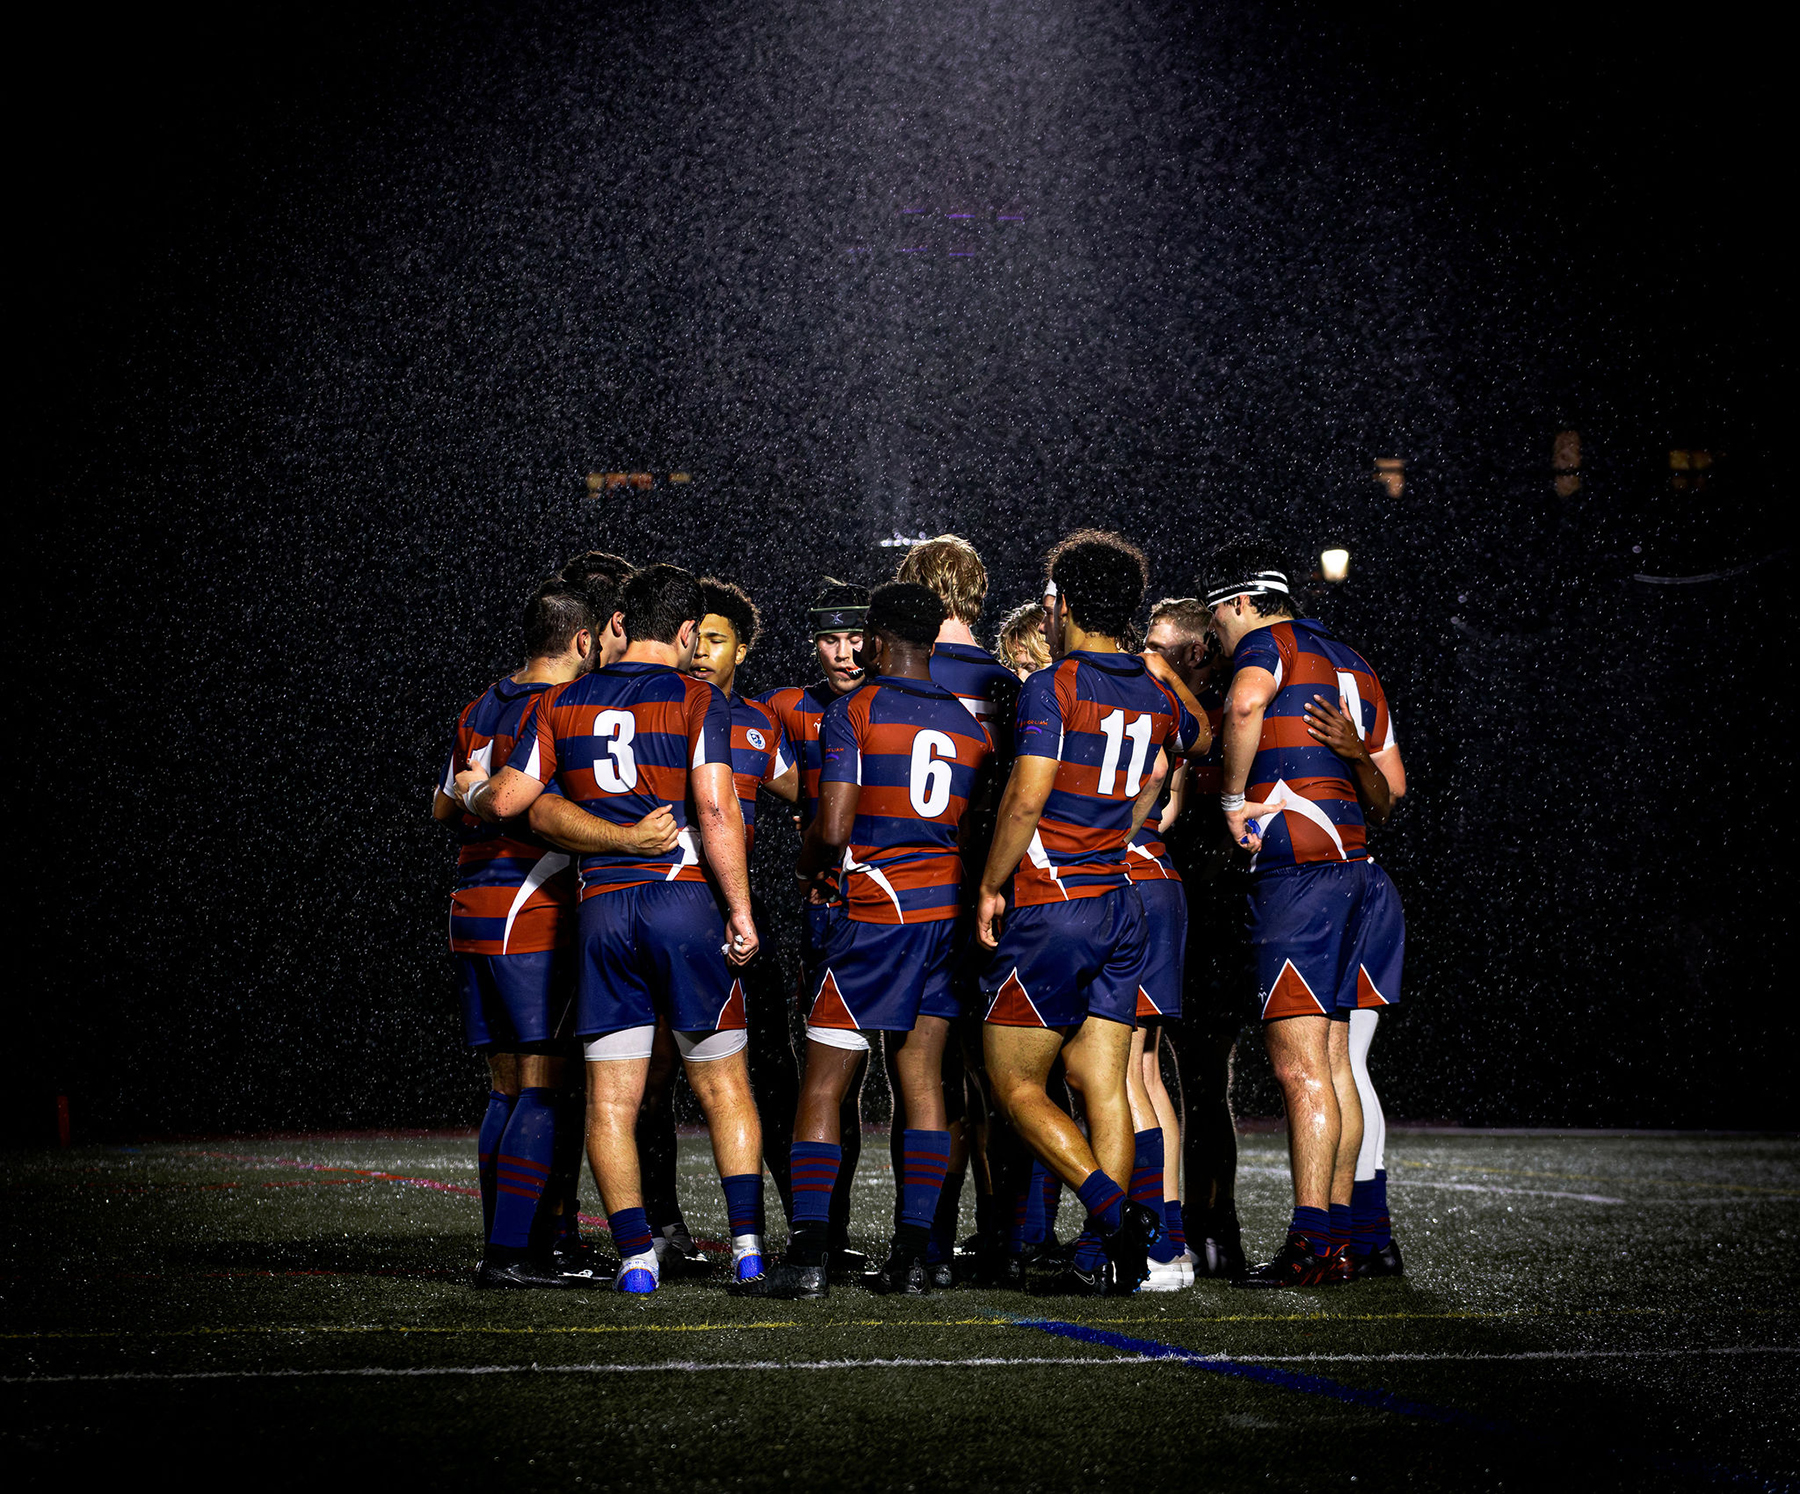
x=691 y=1366
x=1394 y=1182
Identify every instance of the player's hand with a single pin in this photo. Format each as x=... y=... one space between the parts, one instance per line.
x=990 y=909
x=467 y=780
x=1332 y=726
x=741 y=942
x=653 y=834
x=1244 y=826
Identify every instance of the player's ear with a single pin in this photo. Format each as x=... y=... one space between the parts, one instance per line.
x=742 y=653
x=584 y=643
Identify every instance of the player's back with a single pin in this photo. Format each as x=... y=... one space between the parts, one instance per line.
x=1103 y=716
x=511 y=888
x=621 y=742
x=986 y=687
x=1321 y=819
x=798 y=710
x=917 y=754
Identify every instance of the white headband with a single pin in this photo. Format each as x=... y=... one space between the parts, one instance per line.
x=1260 y=584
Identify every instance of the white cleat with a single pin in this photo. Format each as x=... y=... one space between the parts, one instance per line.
x=1166 y=1276
x=747 y=1255
x=638 y=1274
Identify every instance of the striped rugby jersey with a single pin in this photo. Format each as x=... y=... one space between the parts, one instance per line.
x=798 y=710
x=759 y=752
x=918 y=754
x=619 y=742
x=513 y=893
x=1102 y=717
x=988 y=688
x=1318 y=817
x=1147 y=858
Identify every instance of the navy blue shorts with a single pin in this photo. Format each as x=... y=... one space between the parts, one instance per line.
x=654 y=951
x=882 y=977
x=815 y=930
x=1328 y=938
x=509 y=1000
x=1165 y=938
x=1059 y=963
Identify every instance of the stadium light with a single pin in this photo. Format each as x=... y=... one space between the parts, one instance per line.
x=1334 y=565
x=903 y=541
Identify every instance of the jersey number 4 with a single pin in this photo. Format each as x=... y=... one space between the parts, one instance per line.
x=616 y=773
x=928 y=786
x=1115 y=729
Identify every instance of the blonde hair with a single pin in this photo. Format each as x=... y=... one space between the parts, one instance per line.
x=1023 y=625
x=1191 y=615
x=949 y=566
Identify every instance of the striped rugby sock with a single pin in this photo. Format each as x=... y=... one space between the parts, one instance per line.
x=814 y=1167
x=487 y=1151
x=927 y=1155
x=522 y=1167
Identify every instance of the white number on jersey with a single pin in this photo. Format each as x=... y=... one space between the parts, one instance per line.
x=1114 y=726
x=617 y=772
x=930 y=785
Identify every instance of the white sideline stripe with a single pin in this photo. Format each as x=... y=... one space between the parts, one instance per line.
x=1394 y=1182
x=690 y=1366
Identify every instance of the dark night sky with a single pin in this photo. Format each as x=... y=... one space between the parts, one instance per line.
x=329 y=315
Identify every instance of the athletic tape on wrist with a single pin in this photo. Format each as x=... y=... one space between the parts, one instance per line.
x=1231 y=803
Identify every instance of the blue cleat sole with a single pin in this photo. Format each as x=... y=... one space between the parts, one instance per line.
x=637 y=1281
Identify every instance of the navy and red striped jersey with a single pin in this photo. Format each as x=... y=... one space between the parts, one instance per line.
x=1102 y=717
x=513 y=893
x=917 y=754
x=759 y=752
x=798 y=710
x=987 y=687
x=1206 y=771
x=1318 y=817
x=1147 y=858
x=620 y=742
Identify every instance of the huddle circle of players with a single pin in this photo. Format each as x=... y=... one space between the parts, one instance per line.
x=1031 y=876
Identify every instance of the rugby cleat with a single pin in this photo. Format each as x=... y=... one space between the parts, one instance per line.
x=1383 y=1262
x=903 y=1274
x=1221 y=1259
x=573 y=1256
x=1166 y=1276
x=849 y=1265
x=1294 y=1265
x=746 y=1257
x=1186 y=1261
x=1128 y=1248
x=1071 y=1281
x=942 y=1275
x=677 y=1254
x=637 y=1274
x=787 y=1280
x=527 y=1275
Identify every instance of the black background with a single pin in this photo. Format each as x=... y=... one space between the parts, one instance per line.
x=327 y=314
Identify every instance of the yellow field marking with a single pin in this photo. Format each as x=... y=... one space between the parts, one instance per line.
x=983 y=1322
x=1576 y=1177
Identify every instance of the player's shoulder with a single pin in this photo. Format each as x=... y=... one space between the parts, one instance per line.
x=1259 y=645
x=753 y=713
x=781 y=698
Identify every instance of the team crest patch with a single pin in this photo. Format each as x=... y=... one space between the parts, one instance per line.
x=756 y=740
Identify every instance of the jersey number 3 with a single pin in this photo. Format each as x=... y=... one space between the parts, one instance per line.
x=617 y=772
x=1112 y=724
x=929 y=783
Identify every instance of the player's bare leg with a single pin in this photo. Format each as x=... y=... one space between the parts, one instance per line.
x=657 y=1153
x=1350 y=1138
x=922 y=1158
x=722 y=1086
x=1155 y=1138
x=1300 y=1052
x=615 y=1095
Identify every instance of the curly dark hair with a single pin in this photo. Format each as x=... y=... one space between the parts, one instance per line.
x=907 y=611
x=1102 y=576
x=1234 y=561
x=732 y=603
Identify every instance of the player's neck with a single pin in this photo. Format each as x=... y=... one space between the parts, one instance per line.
x=955 y=630
x=1077 y=638
x=907 y=664
x=649 y=651
x=549 y=669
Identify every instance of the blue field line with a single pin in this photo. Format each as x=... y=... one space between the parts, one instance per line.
x=1380 y=1400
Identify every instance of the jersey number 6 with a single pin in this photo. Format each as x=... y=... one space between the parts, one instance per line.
x=617 y=772
x=929 y=787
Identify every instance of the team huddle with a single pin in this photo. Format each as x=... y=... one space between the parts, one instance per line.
x=1024 y=872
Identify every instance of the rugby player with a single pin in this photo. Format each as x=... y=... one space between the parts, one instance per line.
x=1057 y=911
x=1216 y=987
x=512 y=927
x=836 y=618
x=1325 y=926
x=653 y=943
x=901 y=760
x=604 y=576
x=1019 y=644
x=1373 y=1249
x=950 y=567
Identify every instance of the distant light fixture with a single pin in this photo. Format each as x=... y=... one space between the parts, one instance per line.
x=1688 y=470
x=1565 y=463
x=1390 y=472
x=681 y=477
x=903 y=541
x=1334 y=565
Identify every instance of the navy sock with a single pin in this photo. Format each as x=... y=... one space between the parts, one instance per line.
x=1314 y=1225
x=1104 y=1200
x=487 y=1148
x=927 y=1161
x=1039 y=1224
x=814 y=1167
x=1147 y=1186
x=1383 y=1235
x=744 y=1202
x=1340 y=1225
x=630 y=1232
x=1050 y=1188
x=1172 y=1214
x=522 y=1166
x=1090 y=1254
x=944 y=1222
x=1362 y=1216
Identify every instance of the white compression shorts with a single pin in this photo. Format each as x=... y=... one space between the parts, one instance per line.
x=838 y=1037
x=1373 y=1156
x=695 y=1047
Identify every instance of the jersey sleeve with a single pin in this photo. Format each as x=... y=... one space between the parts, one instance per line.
x=840 y=751
x=1379 y=734
x=1040 y=724
x=709 y=726
x=1258 y=650
x=781 y=755
x=1184 y=730
x=534 y=754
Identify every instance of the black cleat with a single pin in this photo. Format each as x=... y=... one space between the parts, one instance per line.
x=787 y=1280
x=1128 y=1249
x=849 y=1265
x=1046 y=1252
x=523 y=1275
x=942 y=1275
x=1383 y=1262
x=1222 y=1259
x=1294 y=1265
x=679 y=1258
x=1072 y=1282
x=903 y=1274
x=572 y=1255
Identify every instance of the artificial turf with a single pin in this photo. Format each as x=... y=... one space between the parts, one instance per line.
x=1602 y=1311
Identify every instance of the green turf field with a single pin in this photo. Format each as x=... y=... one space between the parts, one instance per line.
x=1581 y=1311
